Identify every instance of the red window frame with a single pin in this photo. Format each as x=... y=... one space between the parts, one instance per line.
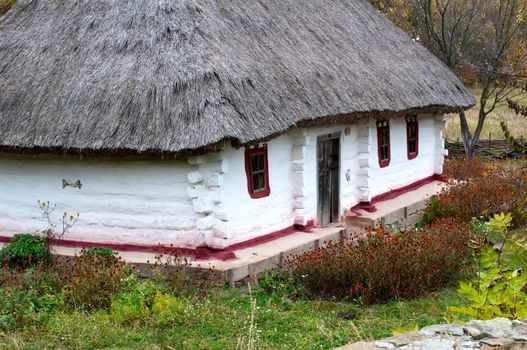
x=412 y=122
x=382 y=127
x=250 y=152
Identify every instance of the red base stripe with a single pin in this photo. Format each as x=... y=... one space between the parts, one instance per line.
x=370 y=206
x=200 y=253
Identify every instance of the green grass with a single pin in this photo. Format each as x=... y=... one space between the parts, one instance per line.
x=223 y=317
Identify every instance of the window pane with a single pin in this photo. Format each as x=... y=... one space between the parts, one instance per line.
x=257 y=162
x=262 y=181
x=255 y=182
x=260 y=162
x=384 y=152
x=254 y=163
x=258 y=181
x=257 y=172
x=411 y=146
x=383 y=137
x=412 y=137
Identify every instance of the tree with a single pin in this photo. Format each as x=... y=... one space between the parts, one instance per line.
x=477 y=36
x=482 y=41
x=521 y=110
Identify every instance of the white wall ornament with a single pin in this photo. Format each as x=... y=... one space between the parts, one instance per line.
x=68 y=184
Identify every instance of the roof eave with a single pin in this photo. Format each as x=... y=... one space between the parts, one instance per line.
x=216 y=147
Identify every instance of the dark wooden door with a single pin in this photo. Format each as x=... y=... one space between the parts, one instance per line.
x=328 y=149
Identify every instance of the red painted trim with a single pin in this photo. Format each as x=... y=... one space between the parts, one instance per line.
x=370 y=206
x=413 y=122
x=272 y=236
x=248 y=153
x=383 y=163
x=197 y=253
x=200 y=253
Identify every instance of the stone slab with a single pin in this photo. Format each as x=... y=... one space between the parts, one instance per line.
x=358 y=346
x=497 y=328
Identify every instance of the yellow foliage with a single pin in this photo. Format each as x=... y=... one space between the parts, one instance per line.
x=5 y=5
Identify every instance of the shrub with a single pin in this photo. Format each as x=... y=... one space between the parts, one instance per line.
x=181 y=278
x=465 y=169
x=139 y=300
x=134 y=303
x=479 y=190
x=498 y=289
x=103 y=252
x=24 y=250
x=129 y=307
x=378 y=266
x=282 y=285
x=22 y=307
x=168 y=309
x=93 y=279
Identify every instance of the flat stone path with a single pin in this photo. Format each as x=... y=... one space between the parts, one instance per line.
x=500 y=333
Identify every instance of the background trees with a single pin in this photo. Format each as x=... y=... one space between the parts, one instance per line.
x=483 y=41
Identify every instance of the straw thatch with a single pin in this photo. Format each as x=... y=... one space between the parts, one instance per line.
x=174 y=76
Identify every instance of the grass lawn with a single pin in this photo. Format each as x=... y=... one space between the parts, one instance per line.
x=224 y=316
x=517 y=124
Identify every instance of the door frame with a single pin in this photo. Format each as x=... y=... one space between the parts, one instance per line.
x=319 y=140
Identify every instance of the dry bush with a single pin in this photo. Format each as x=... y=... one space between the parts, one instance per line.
x=93 y=279
x=478 y=190
x=181 y=277
x=381 y=265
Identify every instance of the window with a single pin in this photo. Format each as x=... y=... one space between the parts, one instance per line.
x=257 y=171
x=412 y=137
x=383 y=142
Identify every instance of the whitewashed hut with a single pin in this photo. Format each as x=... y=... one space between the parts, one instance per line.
x=199 y=123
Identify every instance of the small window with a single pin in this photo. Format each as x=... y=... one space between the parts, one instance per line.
x=412 y=137
x=257 y=170
x=383 y=141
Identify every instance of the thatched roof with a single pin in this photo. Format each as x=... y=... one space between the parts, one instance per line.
x=173 y=76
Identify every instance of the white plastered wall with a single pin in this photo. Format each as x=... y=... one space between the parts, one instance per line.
x=349 y=169
x=361 y=177
x=293 y=180
x=402 y=171
x=133 y=202
x=249 y=218
x=204 y=201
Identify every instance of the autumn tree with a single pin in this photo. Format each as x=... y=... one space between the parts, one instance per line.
x=521 y=110
x=482 y=37
x=482 y=41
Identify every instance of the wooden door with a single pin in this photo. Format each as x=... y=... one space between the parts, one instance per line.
x=328 y=150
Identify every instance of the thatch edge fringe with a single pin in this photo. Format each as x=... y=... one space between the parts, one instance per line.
x=216 y=147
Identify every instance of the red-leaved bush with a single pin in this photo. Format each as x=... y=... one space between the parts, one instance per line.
x=378 y=266
x=479 y=189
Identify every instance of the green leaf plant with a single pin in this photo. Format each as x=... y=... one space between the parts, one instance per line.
x=498 y=289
